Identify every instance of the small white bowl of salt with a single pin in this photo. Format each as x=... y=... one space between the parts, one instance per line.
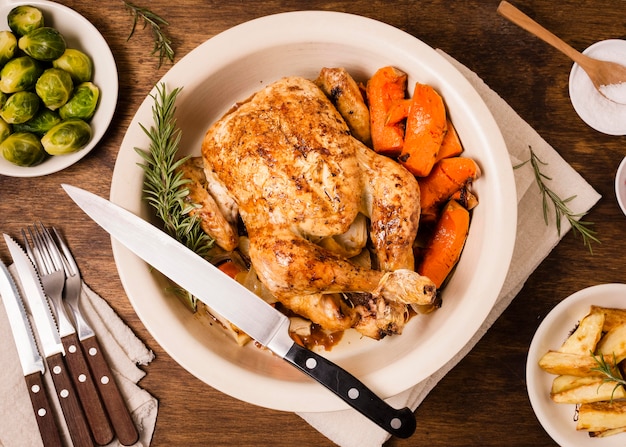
x=598 y=112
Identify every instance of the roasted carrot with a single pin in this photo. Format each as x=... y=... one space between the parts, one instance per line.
x=447 y=177
x=398 y=111
x=444 y=248
x=230 y=268
x=451 y=144
x=426 y=126
x=384 y=88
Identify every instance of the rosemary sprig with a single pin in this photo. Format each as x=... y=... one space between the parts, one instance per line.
x=164 y=185
x=609 y=371
x=561 y=208
x=162 y=43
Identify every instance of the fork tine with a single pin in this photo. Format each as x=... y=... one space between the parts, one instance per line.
x=50 y=247
x=71 y=268
x=36 y=250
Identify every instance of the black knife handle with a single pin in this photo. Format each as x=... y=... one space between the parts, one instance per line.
x=87 y=393
x=43 y=411
x=400 y=423
x=121 y=418
x=72 y=411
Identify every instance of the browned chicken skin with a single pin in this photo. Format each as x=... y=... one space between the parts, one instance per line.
x=297 y=176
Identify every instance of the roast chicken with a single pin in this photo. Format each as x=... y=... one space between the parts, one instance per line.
x=311 y=196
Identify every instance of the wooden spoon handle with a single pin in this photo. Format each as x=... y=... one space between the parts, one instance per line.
x=510 y=12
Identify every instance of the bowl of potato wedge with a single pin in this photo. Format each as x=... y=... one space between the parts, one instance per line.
x=315 y=195
x=575 y=368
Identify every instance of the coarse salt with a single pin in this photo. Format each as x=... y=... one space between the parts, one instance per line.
x=615 y=92
x=597 y=111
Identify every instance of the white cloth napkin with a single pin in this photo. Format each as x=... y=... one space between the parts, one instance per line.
x=123 y=350
x=534 y=242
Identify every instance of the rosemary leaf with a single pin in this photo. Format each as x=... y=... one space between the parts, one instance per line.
x=609 y=372
x=560 y=206
x=162 y=43
x=164 y=186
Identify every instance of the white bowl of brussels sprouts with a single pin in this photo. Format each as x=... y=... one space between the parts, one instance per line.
x=56 y=103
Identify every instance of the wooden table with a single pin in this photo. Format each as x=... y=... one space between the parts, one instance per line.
x=483 y=401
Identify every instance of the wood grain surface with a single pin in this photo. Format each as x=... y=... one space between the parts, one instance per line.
x=482 y=401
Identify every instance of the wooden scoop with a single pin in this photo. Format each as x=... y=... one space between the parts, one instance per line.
x=609 y=78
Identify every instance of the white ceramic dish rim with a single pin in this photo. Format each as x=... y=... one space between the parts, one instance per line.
x=79 y=33
x=558 y=419
x=620 y=185
x=491 y=243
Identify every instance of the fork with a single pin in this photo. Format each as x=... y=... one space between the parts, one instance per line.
x=49 y=263
x=120 y=417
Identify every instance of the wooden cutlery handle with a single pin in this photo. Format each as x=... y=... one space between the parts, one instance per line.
x=121 y=419
x=72 y=411
x=43 y=411
x=87 y=393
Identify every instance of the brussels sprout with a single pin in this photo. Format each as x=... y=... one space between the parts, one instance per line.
x=24 y=19
x=54 y=87
x=23 y=149
x=8 y=43
x=76 y=63
x=5 y=130
x=42 y=122
x=20 y=107
x=3 y=99
x=67 y=136
x=83 y=102
x=19 y=74
x=43 y=44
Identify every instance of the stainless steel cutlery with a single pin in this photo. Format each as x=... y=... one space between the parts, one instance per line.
x=30 y=359
x=47 y=258
x=92 y=405
x=116 y=408
x=51 y=345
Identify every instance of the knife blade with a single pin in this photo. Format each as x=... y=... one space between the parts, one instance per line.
x=238 y=305
x=32 y=364
x=51 y=344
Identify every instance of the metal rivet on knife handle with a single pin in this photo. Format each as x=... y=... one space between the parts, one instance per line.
x=121 y=419
x=398 y=422
x=29 y=356
x=43 y=412
x=238 y=305
x=87 y=393
x=47 y=257
x=73 y=412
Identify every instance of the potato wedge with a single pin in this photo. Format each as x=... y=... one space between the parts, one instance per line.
x=584 y=339
x=612 y=317
x=556 y=362
x=614 y=343
x=596 y=391
x=600 y=416
x=566 y=382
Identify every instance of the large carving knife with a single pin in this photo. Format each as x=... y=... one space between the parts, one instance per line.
x=50 y=344
x=238 y=305
x=30 y=359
